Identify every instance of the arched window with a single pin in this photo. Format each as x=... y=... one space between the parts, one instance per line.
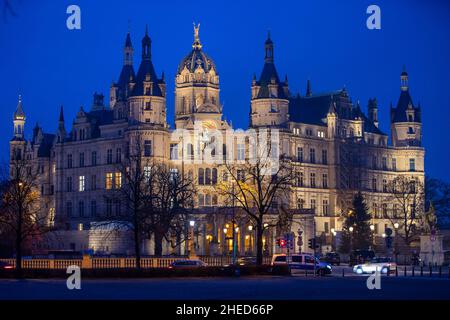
x=208 y=176
x=201 y=200
x=214 y=176
x=208 y=200
x=190 y=151
x=201 y=176
x=214 y=200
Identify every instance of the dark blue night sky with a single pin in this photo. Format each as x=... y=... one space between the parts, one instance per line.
x=326 y=41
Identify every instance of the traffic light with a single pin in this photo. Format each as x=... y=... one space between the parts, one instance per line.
x=282 y=243
x=312 y=243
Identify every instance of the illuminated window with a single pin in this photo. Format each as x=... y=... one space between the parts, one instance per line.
x=240 y=151
x=118 y=180
x=109 y=181
x=81 y=183
x=80 y=227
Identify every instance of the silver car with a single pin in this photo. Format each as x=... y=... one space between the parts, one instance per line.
x=383 y=265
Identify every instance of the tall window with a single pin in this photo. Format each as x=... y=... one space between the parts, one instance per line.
x=109 y=181
x=325 y=207
x=313 y=180
x=384 y=163
x=118 y=180
x=93 y=208
x=81 y=159
x=109 y=156
x=241 y=151
x=394 y=164
x=147 y=172
x=94 y=158
x=412 y=164
x=174 y=151
x=118 y=155
x=208 y=176
x=299 y=154
x=312 y=155
x=81 y=183
x=374 y=162
x=214 y=176
x=385 y=185
x=374 y=184
x=201 y=176
x=324 y=156
x=69 y=184
x=201 y=200
x=93 y=182
x=190 y=151
x=313 y=204
x=325 y=181
x=81 y=209
x=300 y=179
x=69 y=161
x=147 y=148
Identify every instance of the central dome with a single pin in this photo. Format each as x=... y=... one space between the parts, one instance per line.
x=196 y=58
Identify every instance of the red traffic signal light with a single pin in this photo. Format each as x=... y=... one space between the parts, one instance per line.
x=282 y=243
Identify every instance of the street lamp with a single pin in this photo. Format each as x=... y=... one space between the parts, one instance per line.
x=372 y=227
x=191 y=247
x=250 y=228
x=396 y=226
x=351 y=238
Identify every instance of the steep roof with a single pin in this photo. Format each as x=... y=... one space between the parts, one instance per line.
x=405 y=102
x=314 y=109
x=146 y=68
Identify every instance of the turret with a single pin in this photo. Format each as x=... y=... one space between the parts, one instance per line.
x=19 y=121
x=269 y=102
x=61 y=134
x=406 y=122
x=373 y=111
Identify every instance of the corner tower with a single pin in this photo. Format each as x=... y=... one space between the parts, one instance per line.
x=269 y=102
x=17 y=143
x=406 y=120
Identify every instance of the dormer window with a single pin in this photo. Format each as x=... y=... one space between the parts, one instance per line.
x=410 y=118
x=148 y=106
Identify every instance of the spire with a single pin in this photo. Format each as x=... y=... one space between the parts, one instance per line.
x=61 y=114
x=308 y=88
x=128 y=51
x=197 y=44
x=404 y=80
x=269 y=49
x=146 y=46
x=19 y=114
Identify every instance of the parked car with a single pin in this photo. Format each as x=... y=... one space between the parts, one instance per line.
x=187 y=264
x=244 y=261
x=5 y=265
x=361 y=256
x=299 y=263
x=332 y=258
x=383 y=265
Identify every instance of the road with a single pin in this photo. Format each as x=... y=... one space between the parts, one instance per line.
x=257 y=288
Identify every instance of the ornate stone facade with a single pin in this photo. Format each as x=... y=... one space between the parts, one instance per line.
x=334 y=146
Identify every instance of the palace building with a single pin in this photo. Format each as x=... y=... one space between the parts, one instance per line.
x=334 y=145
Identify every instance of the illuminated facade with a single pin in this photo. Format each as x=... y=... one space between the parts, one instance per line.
x=333 y=145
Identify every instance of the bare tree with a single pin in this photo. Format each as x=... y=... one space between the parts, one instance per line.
x=172 y=200
x=132 y=189
x=258 y=186
x=22 y=208
x=407 y=195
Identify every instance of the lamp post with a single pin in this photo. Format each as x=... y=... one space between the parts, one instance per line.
x=351 y=238
x=251 y=244
x=396 y=226
x=192 y=254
